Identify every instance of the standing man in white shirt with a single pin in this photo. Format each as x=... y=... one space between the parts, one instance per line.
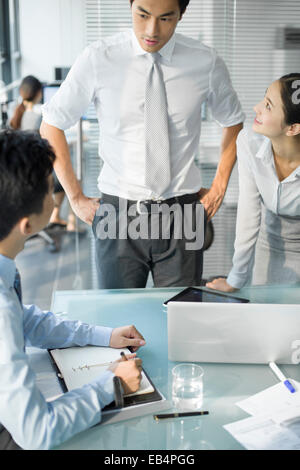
x=148 y=86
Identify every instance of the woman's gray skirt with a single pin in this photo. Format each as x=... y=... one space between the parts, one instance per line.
x=277 y=253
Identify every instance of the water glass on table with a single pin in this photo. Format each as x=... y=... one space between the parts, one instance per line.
x=187 y=386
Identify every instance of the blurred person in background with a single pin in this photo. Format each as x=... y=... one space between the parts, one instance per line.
x=27 y=118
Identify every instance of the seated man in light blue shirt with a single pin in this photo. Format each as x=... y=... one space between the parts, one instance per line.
x=26 y=164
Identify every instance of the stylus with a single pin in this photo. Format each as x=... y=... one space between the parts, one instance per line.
x=281 y=377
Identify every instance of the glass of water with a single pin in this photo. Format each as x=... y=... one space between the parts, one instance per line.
x=187 y=386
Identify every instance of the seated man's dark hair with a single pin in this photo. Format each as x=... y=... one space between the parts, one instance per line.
x=26 y=161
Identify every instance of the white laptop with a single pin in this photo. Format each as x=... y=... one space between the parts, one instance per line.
x=233 y=332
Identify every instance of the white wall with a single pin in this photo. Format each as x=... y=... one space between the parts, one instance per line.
x=52 y=33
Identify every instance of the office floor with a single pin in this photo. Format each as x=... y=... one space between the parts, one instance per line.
x=43 y=271
x=71 y=267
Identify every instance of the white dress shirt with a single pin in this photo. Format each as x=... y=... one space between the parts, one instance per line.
x=111 y=73
x=258 y=184
x=33 y=422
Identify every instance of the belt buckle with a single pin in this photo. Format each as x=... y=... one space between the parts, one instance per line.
x=149 y=201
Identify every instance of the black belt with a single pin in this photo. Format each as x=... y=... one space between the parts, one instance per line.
x=153 y=205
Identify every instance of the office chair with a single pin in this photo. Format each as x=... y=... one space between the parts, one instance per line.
x=208 y=241
x=52 y=243
x=208 y=236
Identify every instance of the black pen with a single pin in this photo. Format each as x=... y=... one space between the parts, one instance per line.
x=124 y=358
x=180 y=415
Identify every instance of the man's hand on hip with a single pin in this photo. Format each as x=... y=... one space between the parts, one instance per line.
x=211 y=199
x=85 y=208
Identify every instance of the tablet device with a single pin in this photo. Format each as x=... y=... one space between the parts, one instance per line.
x=193 y=294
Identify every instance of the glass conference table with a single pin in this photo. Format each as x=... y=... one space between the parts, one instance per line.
x=224 y=384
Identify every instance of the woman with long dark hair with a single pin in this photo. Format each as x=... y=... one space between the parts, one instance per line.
x=267 y=244
x=25 y=117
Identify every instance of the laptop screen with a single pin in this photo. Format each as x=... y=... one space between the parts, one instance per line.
x=49 y=91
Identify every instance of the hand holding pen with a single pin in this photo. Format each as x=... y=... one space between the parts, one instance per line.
x=129 y=369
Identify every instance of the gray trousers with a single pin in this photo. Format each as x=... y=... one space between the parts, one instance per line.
x=165 y=240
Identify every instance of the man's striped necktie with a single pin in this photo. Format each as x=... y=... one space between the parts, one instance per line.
x=157 y=150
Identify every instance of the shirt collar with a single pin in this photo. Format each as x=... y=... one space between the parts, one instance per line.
x=7 y=270
x=166 y=52
x=265 y=153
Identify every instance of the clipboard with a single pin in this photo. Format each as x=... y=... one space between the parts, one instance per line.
x=137 y=404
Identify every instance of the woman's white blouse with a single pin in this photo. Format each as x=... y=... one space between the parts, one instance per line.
x=258 y=184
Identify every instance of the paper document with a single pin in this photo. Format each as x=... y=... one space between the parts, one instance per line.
x=271 y=400
x=263 y=433
x=275 y=421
